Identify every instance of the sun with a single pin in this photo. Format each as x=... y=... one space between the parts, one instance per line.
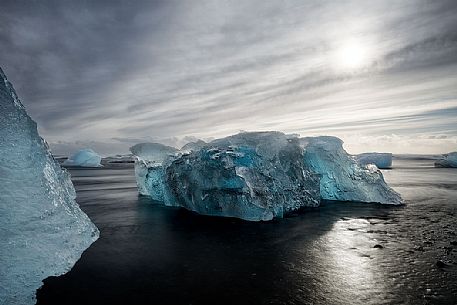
x=352 y=55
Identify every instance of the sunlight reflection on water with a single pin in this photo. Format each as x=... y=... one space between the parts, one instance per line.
x=348 y=265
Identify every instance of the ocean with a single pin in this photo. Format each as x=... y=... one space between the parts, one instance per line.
x=339 y=253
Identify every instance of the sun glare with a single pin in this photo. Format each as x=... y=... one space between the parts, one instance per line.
x=352 y=55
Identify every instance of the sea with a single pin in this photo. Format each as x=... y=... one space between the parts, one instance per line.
x=339 y=253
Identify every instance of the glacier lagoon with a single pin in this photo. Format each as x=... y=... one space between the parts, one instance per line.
x=256 y=175
x=152 y=254
x=43 y=231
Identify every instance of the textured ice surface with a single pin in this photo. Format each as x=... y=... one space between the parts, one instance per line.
x=149 y=167
x=43 y=231
x=381 y=160
x=257 y=175
x=253 y=176
x=84 y=158
x=341 y=177
x=448 y=160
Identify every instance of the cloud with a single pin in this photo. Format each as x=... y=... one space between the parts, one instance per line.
x=106 y=70
x=398 y=144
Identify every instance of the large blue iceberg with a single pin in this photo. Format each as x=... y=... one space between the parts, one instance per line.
x=43 y=231
x=253 y=176
x=256 y=175
x=381 y=160
x=84 y=158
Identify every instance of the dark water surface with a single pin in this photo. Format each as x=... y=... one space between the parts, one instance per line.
x=150 y=254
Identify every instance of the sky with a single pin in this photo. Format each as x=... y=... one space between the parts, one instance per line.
x=381 y=75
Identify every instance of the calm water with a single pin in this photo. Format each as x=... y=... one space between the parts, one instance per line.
x=149 y=254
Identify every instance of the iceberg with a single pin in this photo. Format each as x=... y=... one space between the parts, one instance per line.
x=42 y=228
x=252 y=176
x=84 y=158
x=381 y=160
x=341 y=177
x=257 y=175
x=447 y=160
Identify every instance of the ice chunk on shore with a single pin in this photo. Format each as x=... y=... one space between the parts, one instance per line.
x=252 y=176
x=43 y=231
x=381 y=160
x=341 y=177
x=448 y=160
x=84 y=158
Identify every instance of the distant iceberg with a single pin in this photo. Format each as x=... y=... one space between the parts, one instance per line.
x=84 y=158
x=381 y=160
x=43 y=231
x=256 y=175
x=448 y=160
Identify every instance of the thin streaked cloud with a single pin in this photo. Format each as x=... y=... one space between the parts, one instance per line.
x=98 y=71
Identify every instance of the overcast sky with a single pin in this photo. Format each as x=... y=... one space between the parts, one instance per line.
x=382 y=75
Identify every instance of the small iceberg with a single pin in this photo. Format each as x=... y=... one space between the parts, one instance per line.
x=84 y=158
x=447 y=160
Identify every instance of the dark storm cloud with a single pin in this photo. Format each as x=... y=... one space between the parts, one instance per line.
x=106 y=70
